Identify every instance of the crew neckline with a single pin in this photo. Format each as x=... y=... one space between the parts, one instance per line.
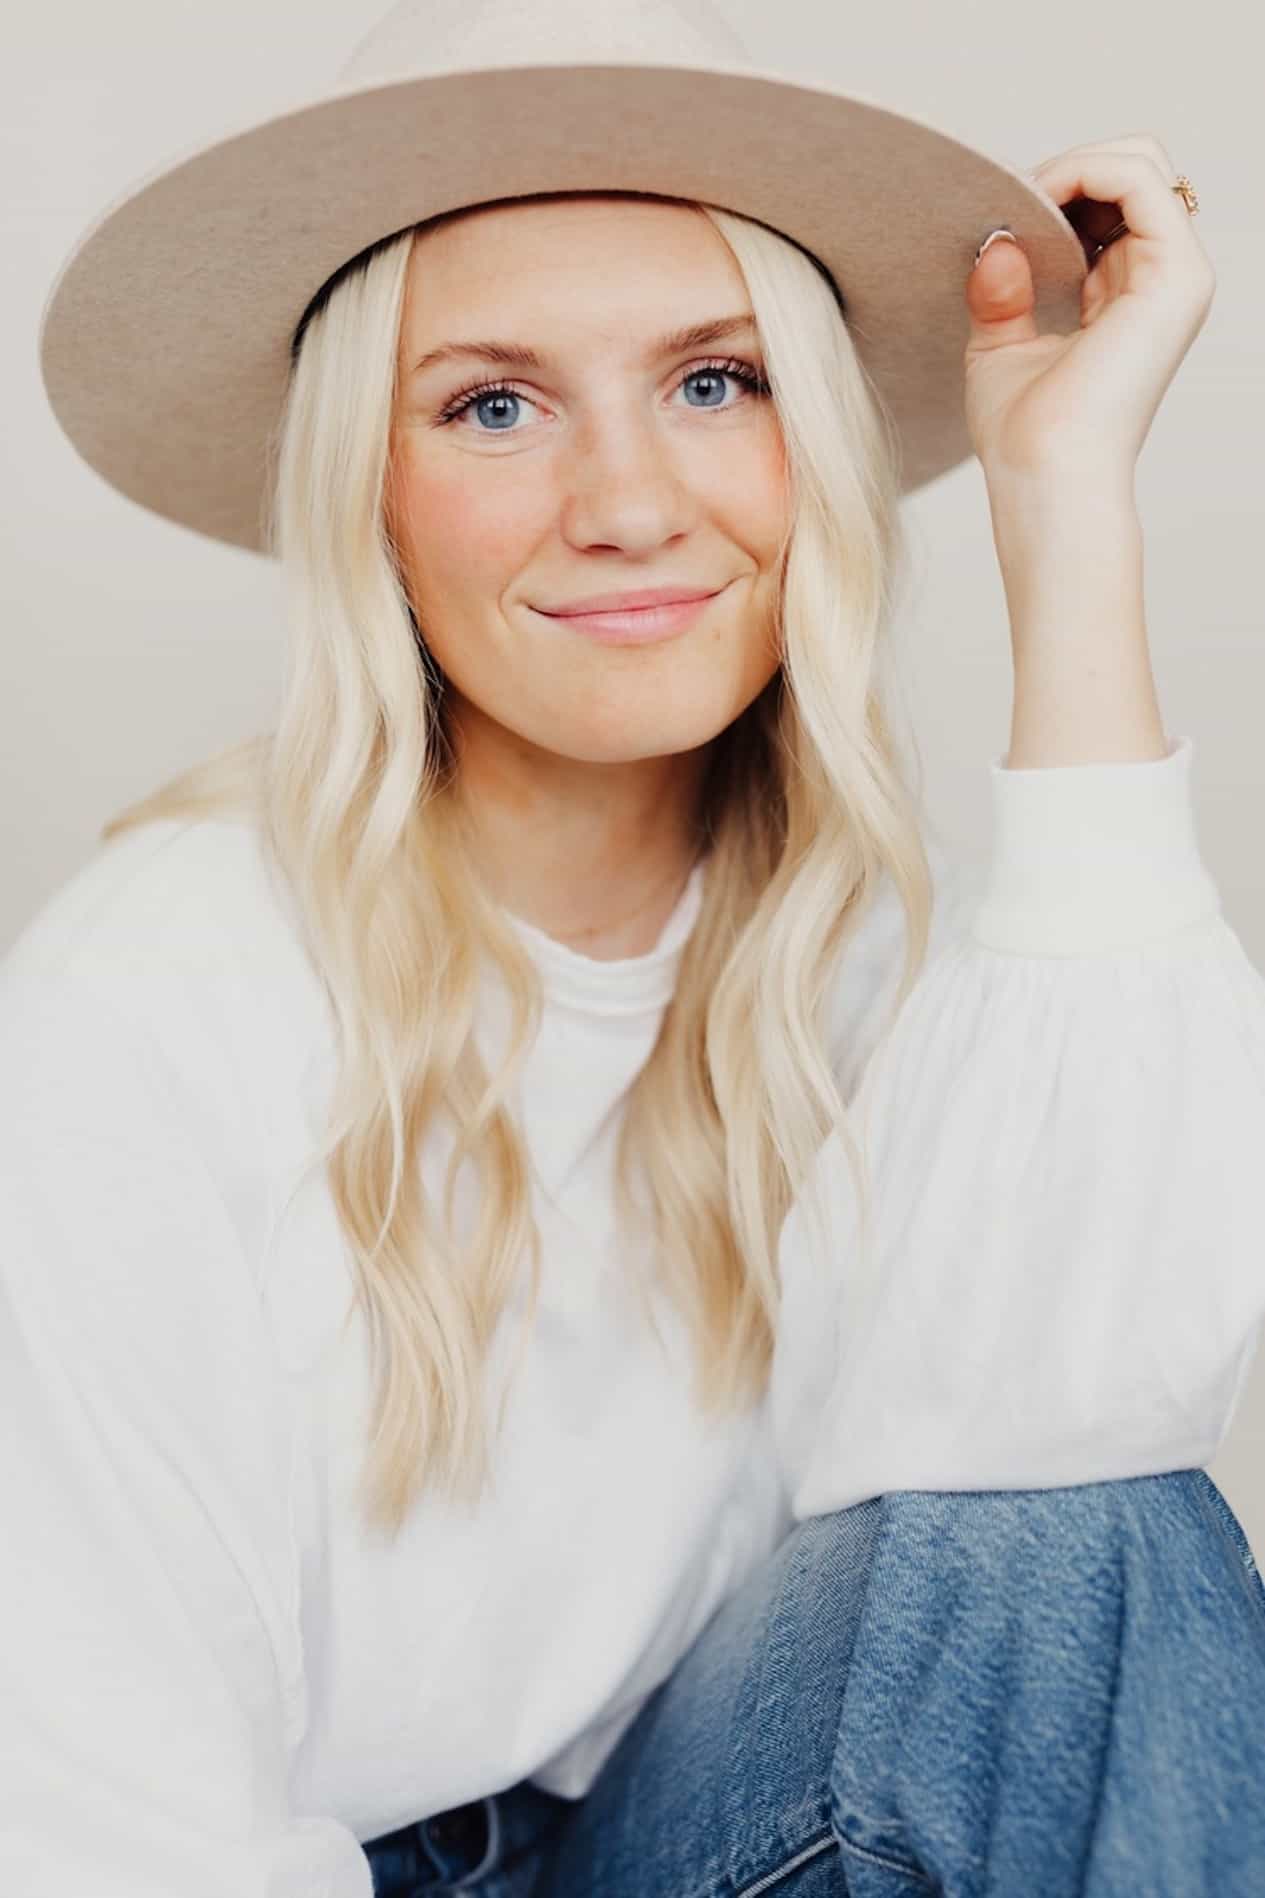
x=626 y=984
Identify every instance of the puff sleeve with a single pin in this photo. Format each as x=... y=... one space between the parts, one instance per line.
x=149 y=1668
x=1066 y=1143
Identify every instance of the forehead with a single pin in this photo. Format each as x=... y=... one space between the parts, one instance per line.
x=539 y=252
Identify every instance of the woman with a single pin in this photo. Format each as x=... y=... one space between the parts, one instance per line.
x=502 y=1026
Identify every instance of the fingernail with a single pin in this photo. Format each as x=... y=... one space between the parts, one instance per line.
x=992 y=239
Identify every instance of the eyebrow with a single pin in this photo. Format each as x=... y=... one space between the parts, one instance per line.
x=517 y=355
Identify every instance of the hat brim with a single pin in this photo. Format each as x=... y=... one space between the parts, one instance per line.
x=164 y=342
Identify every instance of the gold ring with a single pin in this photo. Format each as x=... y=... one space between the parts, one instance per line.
x=1186 y=191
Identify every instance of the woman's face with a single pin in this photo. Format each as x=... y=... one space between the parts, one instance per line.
x=612 y=463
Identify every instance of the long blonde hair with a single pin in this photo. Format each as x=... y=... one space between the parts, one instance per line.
x=805 y=810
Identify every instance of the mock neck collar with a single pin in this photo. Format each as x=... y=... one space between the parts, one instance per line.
x=626 y=985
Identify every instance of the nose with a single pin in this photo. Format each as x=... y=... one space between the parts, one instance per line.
x=625 y=484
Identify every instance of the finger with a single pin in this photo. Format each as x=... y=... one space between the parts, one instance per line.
x=1132 y=180
x=1159 y=234
x=1143 y=144
x=1000 y=296
x=1094 y=221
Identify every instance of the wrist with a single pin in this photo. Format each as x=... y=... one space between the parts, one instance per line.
x=1065 y=498
x=1072 y=565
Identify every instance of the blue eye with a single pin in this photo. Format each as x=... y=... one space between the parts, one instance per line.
x=716 y=376
x=504 y=392
x=487 y=394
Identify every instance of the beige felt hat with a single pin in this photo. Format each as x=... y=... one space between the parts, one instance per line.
x=165 y=341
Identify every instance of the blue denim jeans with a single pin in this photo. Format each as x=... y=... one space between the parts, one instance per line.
x=1025 y=1693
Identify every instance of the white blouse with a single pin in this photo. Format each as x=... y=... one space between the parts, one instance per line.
x=214 y=1679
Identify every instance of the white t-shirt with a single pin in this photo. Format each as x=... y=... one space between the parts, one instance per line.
x=212 y=1680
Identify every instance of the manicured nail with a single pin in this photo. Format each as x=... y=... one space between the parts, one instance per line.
x=992 y=239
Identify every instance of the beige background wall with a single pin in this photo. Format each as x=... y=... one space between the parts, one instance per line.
x=131 y=647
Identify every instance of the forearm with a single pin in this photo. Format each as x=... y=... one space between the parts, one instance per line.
x=1072 y=565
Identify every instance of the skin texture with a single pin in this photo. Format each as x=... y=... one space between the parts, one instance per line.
x=581 y=762
x=1058 y=423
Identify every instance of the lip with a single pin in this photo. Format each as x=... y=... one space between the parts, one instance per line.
x=638 y=626
x=629 y=601
x=642 y=625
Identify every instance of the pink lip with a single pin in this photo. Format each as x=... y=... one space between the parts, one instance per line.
x=641 y=625
x=628 y=601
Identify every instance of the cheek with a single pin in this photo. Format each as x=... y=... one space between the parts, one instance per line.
x=752 y=492
x=455 y=528
x=776 y=485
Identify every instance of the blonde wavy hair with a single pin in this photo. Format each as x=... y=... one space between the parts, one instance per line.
x=805 y=809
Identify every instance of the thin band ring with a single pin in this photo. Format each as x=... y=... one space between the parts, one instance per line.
x=1185 y=191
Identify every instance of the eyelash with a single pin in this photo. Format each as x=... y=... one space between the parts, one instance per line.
x=466 y=398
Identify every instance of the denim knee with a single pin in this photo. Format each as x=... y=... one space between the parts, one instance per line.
x=1058 y=1687
x=1070 y=1530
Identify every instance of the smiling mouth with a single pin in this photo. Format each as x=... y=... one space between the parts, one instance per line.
x=630 y=626
x=632 y=602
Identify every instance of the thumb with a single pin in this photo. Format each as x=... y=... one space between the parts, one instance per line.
x=1000 y=295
